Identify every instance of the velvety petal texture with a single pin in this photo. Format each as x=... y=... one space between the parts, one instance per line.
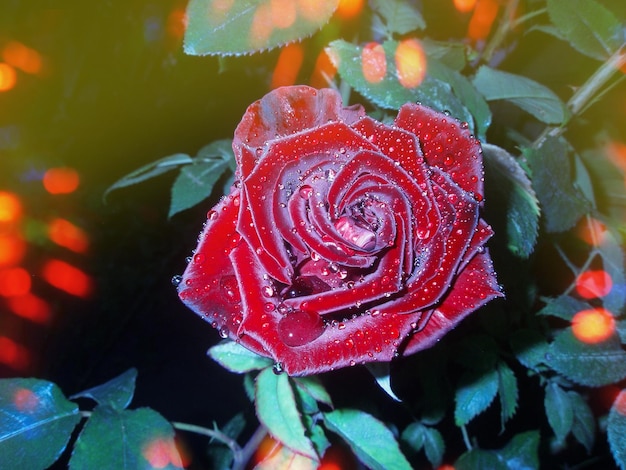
x=343 y=240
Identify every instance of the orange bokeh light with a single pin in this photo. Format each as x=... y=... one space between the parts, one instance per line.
x=30 y=307
x=61 y=180
x=22 y=57
x=410 y=63
x=593 y=283
x=67 y=278
x=464 y=6
x=485 y=13
x=349 y=8
x=66 y=234
x=373 y=62
x=262 y=25
x=592 y=231
x=12 y=249
x=284 y=13
x=288 y=65
x=10 y=207
x=8 y=77
x=14 y=281
x=13 y=354
x=177 y=23
x=161 y=453
x=620 y=403
x=25 y=400
x=593 y=325
x=323 y=72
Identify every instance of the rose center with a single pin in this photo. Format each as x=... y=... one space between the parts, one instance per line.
x=353 y=231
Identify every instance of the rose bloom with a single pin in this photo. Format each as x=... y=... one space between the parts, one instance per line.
x=343 y=240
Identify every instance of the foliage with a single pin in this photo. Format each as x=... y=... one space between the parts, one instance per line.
x=528 y=349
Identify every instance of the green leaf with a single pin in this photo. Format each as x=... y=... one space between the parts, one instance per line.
x=479 y=459
x=593 y=365
x=313 y=387
x=316 y=433
x=474 y=394
x=234 y=357
x=151 y=170
x=389 y=93
x=117 y=393
x=584 y=425
x=529 y=347
x=523 y=92
x=561 y=202
x=612 y=256
x=507 y=391
x=196 y=181
x=616 y=429
x=125 y=439
x=521 y=453
x=413 y=436
x=248 y=26
x=369 y=439
x=36 y=423
x=449 y=53
x=511 y=184
x=219 y=454
x=434 y=446
x=559 y=410
x=588 y=26
x=620 y=327
x=277 y=410
x=564 y=307
x=399 y=17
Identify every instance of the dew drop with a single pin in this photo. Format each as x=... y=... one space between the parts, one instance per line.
x=176 y=280
x=223 y=331
x=198 y=258
x=211 y=215
x=277 y=368
x=300 y=327
x=305 y=191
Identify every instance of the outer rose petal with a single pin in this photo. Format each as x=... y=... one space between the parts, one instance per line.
x=447 y=144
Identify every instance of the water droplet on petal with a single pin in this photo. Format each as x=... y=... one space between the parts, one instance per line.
x=300 y=328
x=277 y=368
x=176 y=280
x=223 y=331
x=211 y=215
x=305 y=191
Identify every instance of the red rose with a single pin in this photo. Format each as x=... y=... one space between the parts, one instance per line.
x=343 y=240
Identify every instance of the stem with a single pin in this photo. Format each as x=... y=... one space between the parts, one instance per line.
x=581 y=99
x=244 y=455
x=504 y=26
x=466 y=438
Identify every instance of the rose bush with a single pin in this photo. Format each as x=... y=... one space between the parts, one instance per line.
x=343 y=240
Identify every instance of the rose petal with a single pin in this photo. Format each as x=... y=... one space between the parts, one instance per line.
x=447 y=144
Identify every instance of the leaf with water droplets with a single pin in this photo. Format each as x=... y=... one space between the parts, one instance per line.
x=247 y=26
x=234 y=357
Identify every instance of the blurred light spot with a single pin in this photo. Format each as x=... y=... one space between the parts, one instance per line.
x=12 y=249
x=373 y=62
x=593 y=325
x=410 y=63
x=349 y=8
x=25 y=400
x=266 y=449
x=616 y=151
x=315 y=10
x=8 y=77
x=464 y=6
x=592 y=231
x=620 y=403
x=482 y=19
x=593 y=283
x=288 y=65
x=67 y=278
x=162 y=452
x=14 y=282
x=31 y=308
x=22 y=57
x=66 y=234
x=283 y=13
x=13 y=354
x=445 y=467
x=10 y=207
x=61 y=180
x=262 y=26
x=323 y=72
x=177 y=23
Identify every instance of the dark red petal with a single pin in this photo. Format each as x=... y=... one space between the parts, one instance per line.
x=474 y=287
x=209 y=286
x=447 y=144
x=285 y=111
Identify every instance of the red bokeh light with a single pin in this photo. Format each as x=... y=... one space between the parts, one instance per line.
x=30 y=307
x=66 y=234
x=67 y=278
x=13 y=354
x=14 y=281
x=61 y=180
x=373 y=62
x=593 y=325
x=288 y=65
x=593 y=283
